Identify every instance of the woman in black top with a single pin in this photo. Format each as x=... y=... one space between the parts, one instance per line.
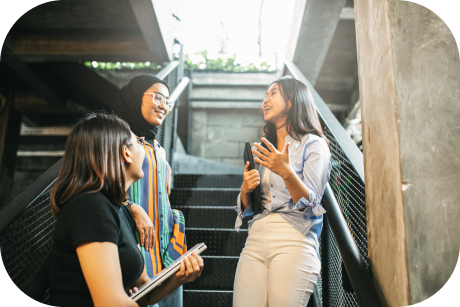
x=95 y=259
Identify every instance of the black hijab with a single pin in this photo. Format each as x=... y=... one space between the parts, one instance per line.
x=128 y=104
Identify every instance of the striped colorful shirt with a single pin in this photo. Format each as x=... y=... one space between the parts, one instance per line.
x=152 y=194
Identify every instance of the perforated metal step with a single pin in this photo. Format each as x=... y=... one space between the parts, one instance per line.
x=199 y=298
x=220 y=242
x=203 y=197
x=210 y=216
x=208 y=181
x=218 y=275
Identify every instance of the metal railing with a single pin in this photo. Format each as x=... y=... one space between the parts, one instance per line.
x=345 y=277
x=26 y=223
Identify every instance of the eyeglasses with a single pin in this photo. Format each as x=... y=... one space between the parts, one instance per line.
x=141 y=140
x=159 y=99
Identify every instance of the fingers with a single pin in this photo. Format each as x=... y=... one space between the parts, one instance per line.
x=142 y=235
x=133 y=290
x=262 y=149
x=147 y=239
x=258 y=154
x=253 y=183
x=182 y=268
x=246 y=167
x=188 y=266
x=252 y=174
x=269 y=145
x=199 y=261
x=286 y=148
x=251 y=180
x=262 y=162
x=151 y=238
x=194 y=261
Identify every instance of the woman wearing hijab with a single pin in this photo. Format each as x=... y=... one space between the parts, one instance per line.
x=144 y=104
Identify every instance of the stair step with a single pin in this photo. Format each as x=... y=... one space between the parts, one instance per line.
x=220 y=241
x=42 y=142
x=208 y=181
x=34 y=163
x=210 y=217
x=218 y=274
x=199 y=298
x=203 y=197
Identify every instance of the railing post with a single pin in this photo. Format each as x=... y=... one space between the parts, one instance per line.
x=180 y=69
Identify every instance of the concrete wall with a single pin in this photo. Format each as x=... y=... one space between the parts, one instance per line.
x=226 y=112
x=409 y=70
x=220 y=134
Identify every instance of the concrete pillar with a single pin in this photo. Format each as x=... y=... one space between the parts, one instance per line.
x=313 y=26
x=10 y=125
x=409 y=80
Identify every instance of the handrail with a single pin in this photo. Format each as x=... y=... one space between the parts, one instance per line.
x=26 y=197
x=179 y=89
x=354 y=155
x=354 y=264
x=167 y=70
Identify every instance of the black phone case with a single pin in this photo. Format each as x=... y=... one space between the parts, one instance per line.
x=255 y=195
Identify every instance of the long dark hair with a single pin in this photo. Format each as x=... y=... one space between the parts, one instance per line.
x=302 y=118
x=92 y=160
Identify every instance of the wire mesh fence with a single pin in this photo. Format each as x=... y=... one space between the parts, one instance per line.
x=348 y=189
x=27 y=241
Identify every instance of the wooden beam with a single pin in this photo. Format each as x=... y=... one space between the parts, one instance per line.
x=37 y=48
x=155 y=23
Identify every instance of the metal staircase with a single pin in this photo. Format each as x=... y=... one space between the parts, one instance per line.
x=207 y=203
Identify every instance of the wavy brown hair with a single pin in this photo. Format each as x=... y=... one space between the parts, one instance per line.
x=93 y=160
x=302 y=118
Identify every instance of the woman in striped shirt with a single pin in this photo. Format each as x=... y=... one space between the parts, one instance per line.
x=144 y=104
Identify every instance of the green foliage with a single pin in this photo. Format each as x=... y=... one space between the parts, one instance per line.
x=202 y=62
x=198 y=61
x=121 y=65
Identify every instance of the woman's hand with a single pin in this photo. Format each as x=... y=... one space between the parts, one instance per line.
x=277 y=162
x=144 y=225
x=132 y=291
x=190 y=269
x=251 y=179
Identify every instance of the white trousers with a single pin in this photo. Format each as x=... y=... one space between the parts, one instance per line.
x=278 y=267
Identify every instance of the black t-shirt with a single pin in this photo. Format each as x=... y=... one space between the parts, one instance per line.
x=90 y=217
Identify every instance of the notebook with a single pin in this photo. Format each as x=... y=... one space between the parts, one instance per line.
x=167 y=272
x=255 y=195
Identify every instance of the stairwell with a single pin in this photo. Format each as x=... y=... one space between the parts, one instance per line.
x=225 y=113
x=207 y=201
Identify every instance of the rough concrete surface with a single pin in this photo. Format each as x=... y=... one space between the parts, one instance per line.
x=427 y=71
x=409 y=73
x=384 y=202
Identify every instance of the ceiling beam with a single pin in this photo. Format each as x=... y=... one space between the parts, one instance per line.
x=57 y=48
x=36 y=83
x=313 y=26
x=86 y=84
